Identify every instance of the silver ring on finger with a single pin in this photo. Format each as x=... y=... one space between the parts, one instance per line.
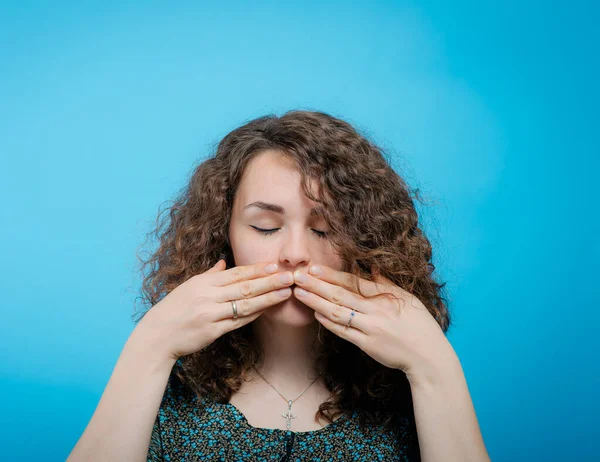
x=234 y=308
x=352 y=313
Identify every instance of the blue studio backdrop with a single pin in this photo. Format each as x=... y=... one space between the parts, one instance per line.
x=489 y=108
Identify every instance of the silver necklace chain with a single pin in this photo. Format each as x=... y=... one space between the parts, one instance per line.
x=287 y=415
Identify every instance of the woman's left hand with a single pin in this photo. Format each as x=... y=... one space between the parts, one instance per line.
x=398 y=332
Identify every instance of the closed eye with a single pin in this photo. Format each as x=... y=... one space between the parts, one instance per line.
x=320 y=234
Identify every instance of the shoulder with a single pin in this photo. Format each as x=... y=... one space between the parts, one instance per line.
x=182 y=405
x=178 y=395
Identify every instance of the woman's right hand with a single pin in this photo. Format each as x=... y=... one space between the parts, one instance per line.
x=198 y=311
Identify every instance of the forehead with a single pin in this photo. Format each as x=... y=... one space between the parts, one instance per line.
x=271 y=175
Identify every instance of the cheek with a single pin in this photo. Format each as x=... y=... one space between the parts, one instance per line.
x=333 y=260
x=338 y=264
x=248 y=248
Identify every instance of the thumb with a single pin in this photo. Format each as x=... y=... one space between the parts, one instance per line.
x=377 y=277
x=219 y=266
x=376 y=273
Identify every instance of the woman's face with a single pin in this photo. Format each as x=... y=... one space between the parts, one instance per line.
x=297 y=241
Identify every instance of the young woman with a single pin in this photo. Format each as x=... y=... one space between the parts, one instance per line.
x=294 y=315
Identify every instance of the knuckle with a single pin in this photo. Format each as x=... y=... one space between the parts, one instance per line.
x=244 y=307
x=381 y=312
x=391 y=303
x=379 y=328
x=338 y=296
x=246 y=289
x=350 y=280
x=200 y=318
x=399 y=304
x=336 y=312
x=200 y=297
x=236 y=274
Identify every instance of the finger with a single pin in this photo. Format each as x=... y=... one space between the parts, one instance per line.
x=242 y=273
x=254 y=287
x=332 y=292
x=385 y=282
x=229 y=324
x=339 y=314
x=346 y=280
x=249 y=306
x=219 y=266
x=355 y=336
x=378 y=278
x=399 y=293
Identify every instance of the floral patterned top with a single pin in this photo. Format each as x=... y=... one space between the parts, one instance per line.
x=221 y=433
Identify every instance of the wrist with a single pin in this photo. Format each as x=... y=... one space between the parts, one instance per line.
x=443 y=369
x=149 y=348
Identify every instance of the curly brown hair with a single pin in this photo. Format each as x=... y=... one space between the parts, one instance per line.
x=373 y=222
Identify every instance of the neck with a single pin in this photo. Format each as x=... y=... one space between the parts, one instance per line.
x=289 y=358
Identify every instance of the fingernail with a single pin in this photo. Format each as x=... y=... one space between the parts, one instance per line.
x=286 y=278
x=300 y=292
x=300 y=277
x=284 y=292
x=315 y=270
x=271 y=268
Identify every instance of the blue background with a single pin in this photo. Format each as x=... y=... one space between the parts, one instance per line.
x=490 y=108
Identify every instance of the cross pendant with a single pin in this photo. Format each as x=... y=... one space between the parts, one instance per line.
x=289 y=415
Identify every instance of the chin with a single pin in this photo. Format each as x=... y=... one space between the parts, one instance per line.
x=291 y=312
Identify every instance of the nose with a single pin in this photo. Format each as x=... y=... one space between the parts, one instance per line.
x=295 y=251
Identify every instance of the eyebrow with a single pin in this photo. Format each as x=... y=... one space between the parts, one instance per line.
x=279 y=209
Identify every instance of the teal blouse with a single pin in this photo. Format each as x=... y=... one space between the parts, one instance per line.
x=221 y=433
